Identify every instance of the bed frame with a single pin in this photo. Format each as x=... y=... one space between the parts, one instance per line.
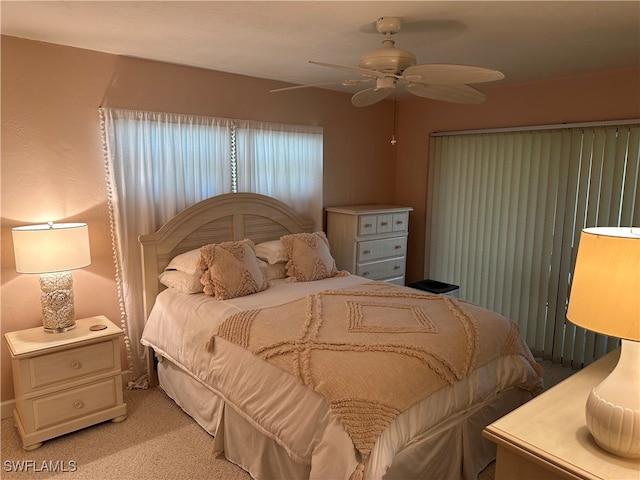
x=236 y=216
x=231 y=216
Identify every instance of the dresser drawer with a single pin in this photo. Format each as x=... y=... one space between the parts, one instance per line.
x=401 y=222
x=367 y=224
x=378 y=249
x=383 y=269
x=52 y=368
x=74 y=403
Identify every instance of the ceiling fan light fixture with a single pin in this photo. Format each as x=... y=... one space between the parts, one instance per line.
x=385 y=82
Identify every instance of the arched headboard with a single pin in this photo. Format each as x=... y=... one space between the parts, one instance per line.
x=231 y=216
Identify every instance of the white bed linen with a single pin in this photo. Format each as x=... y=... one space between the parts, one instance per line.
x=298 y=419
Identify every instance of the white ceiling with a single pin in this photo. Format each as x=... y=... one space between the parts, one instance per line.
x=527 y=41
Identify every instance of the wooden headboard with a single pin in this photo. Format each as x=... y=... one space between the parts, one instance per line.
x=232 y=216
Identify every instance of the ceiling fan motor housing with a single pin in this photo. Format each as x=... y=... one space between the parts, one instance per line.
x=387 y=59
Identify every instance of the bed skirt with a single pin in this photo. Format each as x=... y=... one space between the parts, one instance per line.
x=453 y=450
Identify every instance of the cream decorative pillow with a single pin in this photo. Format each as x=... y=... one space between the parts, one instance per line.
x=231 y=270
x=309 y=257
x=272 y=251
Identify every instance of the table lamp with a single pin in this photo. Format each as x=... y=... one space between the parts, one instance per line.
x=52 y=250
x=605 y=298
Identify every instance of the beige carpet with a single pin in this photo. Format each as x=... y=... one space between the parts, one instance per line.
x=158 y=441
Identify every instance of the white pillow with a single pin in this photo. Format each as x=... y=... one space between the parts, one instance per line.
x=272 y=251
x=181 y=281
x=188 y=262
x=273 y=271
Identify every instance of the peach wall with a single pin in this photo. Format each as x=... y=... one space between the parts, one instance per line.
x=613 y=95
x=52 y=164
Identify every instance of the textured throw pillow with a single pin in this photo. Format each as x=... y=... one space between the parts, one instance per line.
x=231 y=270
x=272 y=251
x=188 y=262
x=181 y=281
x=309 y=257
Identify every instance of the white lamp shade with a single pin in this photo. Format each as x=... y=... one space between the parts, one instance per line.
x=53 y=247
x=605 y=291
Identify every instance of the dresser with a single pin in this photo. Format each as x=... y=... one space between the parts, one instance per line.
x=66 y=381
x=370 y=240
x=547 y=438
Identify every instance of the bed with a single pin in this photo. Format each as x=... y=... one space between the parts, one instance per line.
x=284 y=394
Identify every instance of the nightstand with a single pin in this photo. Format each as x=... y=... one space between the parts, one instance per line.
x=65 y=381
x=548 y=437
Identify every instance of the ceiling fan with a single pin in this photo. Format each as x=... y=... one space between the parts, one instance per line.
x=389 y=65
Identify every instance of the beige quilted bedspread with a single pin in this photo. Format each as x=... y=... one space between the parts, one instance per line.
x=374 y=350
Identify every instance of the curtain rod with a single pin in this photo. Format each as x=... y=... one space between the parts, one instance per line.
x=536 y=127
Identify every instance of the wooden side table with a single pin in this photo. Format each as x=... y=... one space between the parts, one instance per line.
x=547 y=438
x=66 y=381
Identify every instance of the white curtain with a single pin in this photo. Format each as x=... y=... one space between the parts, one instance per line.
x=505 y=213
x=282 y=161
x=158 y=164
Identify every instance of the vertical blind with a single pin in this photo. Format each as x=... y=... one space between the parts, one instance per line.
x=505 y=214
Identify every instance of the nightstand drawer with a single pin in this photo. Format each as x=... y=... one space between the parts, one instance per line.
x=378 y=249
x=57 y=367
x=75 y=403
x=381 y=270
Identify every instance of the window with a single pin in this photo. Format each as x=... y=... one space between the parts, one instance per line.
x=158 y=164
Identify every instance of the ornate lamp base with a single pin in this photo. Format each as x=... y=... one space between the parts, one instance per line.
x=56 y=297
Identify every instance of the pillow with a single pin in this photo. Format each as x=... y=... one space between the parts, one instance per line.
x=231 y=270
x=188 y=262
x=272 y=251
x=310 y=257
x=273 y=271
x=181 y=281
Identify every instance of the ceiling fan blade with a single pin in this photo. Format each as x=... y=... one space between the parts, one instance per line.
x=370 y=96
x=450 y=74
x=363 y=71
x=346 y=83
x=447 y=93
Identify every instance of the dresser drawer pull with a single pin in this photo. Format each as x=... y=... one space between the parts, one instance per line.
x=78 y=404
x=398 y=247
x=75 y=365
x=397 y=267
x=384 y=224
x=366 y=252
x=368 y=225
x=399 y=222
x=365 y=274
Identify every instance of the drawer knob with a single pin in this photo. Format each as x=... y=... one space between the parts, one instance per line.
x=366 y=252
x=384 y=224
x=398 y=247
x=367 y=225
x=365 y=274
x=78 y=404
x=75 y=365
x=399 y=222
x=396 y=267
